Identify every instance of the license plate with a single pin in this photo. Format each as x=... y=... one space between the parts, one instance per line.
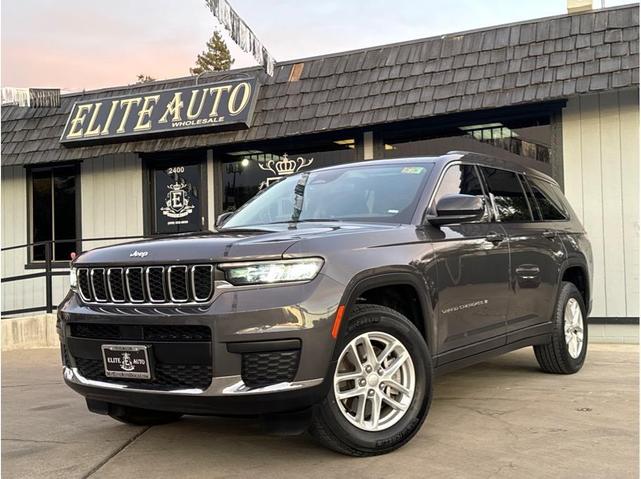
x=126 y=361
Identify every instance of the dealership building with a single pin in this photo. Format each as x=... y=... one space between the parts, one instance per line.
x=558 y=94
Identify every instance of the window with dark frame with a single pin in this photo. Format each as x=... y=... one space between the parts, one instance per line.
x=508 y=195
x=459 y=180
x=177 y=197
x=524 y=139
x=549 y=205
x=534 y=207
x=54 y=195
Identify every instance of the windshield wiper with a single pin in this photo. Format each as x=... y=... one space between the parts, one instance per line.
x=306 y=220
x=317 y=220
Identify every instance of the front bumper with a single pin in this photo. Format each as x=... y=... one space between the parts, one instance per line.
x=244 y=323
x=226 y=396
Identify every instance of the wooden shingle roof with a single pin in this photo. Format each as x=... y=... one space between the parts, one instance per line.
x=532 y=61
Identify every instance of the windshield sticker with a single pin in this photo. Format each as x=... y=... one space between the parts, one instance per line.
x=412 y=170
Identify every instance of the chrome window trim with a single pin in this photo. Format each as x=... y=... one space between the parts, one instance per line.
x=193 y=282
x=152 y=300
x=93 y=289
x=171 y=293
x=129 y=270
x=111 y=294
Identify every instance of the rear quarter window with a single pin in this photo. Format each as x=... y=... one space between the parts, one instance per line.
x=548 y=200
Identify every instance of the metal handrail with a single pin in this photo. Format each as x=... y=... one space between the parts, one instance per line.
x=48 y=272
x=76 y=240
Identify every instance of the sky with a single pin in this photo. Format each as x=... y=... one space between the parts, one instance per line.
x=88 y=44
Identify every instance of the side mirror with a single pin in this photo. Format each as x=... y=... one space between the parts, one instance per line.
x=223 y=217
x=458 y=209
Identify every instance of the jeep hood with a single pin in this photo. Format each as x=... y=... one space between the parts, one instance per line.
x=264 y=242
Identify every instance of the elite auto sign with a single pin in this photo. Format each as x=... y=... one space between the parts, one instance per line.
x=220 y=104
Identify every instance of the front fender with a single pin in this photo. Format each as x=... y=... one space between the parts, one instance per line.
x=394 y=276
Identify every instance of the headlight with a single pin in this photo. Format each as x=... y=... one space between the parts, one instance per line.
x=73 y=278
x=266 y=272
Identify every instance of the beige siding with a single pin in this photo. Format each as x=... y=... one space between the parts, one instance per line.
x=111 y=206
x=27 y=293
x=601 y=171
x=111 y=198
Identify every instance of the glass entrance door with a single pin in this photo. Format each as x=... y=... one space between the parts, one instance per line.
x=178 y=198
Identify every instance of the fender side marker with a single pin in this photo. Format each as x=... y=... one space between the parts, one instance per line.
x=337 y=321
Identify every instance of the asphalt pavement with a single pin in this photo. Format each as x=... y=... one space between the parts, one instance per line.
x=499 y=419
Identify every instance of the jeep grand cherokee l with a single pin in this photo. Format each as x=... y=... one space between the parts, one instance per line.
x=334 y=296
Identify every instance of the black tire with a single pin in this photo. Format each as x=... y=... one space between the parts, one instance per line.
x=554 y=357
x=141 y=417
x=328 y=424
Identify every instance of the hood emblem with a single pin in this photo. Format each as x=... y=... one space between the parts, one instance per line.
x=139 y=254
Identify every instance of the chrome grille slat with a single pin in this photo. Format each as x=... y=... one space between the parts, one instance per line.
x=199 y=284
x=176 y=284
x=84 y=284
x=135 y=290
x=151 y=278
x=178 y=281
x=98 y=285
x=115 y=285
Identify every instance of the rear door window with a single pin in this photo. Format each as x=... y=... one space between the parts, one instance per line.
x=507 y=193
x=549 y=203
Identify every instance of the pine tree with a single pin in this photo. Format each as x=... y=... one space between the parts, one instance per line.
x=215 y=59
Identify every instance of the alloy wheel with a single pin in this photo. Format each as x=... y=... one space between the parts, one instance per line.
x=374 y=381
x=573 y=327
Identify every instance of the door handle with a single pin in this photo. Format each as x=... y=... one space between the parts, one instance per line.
x=494 y=237
x=528 y=270
x=549 y=234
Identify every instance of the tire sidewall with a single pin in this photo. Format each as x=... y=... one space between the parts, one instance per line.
x=407 y=426
x=569 y=291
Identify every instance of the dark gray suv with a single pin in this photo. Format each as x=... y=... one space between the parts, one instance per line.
x=329 y=301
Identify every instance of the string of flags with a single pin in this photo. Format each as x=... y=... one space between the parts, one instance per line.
x=240 y=33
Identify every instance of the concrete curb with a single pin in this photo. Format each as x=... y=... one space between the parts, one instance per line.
x=29 y=332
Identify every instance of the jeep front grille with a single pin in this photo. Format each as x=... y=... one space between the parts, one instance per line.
x=147 y=284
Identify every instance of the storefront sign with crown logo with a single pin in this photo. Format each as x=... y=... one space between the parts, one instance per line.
x=282 y=168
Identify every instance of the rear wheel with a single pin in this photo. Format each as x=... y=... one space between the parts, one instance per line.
x=142 y=417
x=381 y=386
x=566 y=351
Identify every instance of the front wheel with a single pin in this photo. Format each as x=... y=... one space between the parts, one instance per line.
x=382 y=385
x=566 y=351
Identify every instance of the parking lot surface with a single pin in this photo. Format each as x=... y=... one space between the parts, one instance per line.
x=502 y=418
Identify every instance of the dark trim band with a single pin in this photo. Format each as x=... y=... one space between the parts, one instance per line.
x=612 y=320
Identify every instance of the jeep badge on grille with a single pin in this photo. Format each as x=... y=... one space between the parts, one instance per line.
x=140 y=254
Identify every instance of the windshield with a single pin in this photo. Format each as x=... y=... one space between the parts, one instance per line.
x=387 y=193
